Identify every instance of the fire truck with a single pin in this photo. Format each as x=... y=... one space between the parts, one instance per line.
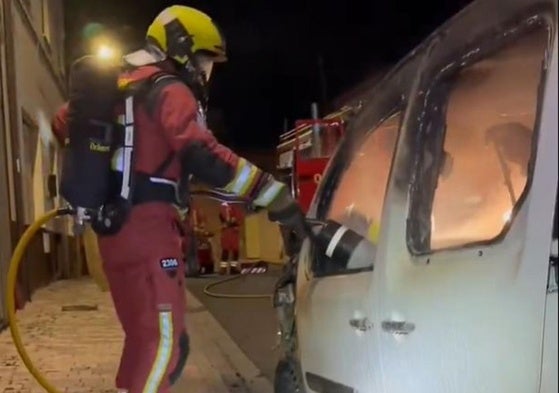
x=304 y=151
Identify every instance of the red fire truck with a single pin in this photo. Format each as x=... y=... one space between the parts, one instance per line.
x=304 y=151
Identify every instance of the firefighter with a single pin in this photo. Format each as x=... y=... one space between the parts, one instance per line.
x=141 y=259
x=230 y=217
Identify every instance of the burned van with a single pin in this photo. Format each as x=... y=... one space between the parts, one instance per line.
x=449 y=172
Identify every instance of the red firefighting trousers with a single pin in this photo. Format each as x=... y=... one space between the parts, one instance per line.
x=230 y=238
x=144 y=267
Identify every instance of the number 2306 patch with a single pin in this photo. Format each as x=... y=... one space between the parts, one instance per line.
x=170 y=266
x=169 y=263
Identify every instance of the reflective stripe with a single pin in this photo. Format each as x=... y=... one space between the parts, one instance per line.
x=129 y=135
x=373 y=233
x=254 y=171
x=125 y=188
x=224 y=264
x=164 y=351
x=241 y=179
x=129 y=110
x=269 y=194
x=117 y=160
x=234 y=263
x=201 y=117
x=123 y=82
x=335 y=240
x=128 y=147
x=162 y=180
x=181 y=211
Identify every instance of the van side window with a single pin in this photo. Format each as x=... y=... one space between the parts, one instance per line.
x=490 y=121
x=358 y=199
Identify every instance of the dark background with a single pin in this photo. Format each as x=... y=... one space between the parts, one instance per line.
x=274 y=49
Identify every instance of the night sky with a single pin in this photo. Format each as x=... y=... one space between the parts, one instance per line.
x=274 y=49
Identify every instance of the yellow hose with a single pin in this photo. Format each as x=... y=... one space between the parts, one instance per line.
x=10 y=292
x=11 y=288
x=207 y=291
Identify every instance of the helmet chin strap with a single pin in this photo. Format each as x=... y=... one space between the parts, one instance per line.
x=196 y=79
x=205 y=66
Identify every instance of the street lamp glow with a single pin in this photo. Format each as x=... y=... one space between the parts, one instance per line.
x=106 y=52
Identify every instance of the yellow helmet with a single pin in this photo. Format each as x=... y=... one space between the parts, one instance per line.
x=182 y=32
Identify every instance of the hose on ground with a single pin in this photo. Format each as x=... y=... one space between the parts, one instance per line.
x=13 y=269
x=214 y=284
x=11 y=289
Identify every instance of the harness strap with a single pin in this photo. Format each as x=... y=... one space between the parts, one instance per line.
x=128 y=147
x=153 y=189
x=141 y=188
x=128 y=190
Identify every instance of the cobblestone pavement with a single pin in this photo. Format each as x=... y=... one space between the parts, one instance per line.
x=71 y=333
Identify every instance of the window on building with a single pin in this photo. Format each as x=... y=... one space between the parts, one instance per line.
x=490 y=122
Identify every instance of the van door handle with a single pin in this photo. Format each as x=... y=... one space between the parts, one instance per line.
x=397 y=327
x=360 y=324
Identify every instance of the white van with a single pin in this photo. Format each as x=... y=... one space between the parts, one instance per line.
x=450 y=170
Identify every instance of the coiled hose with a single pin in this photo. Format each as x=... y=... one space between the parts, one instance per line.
x=207 y=291
x=10 y=294
x=295 y=245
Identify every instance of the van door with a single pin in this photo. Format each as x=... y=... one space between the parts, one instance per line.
x=550 y=366
x=461 y=271
x=334 y=304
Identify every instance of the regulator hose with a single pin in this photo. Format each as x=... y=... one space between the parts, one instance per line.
x=11 y=288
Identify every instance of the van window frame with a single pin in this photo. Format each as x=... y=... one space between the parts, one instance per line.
x=441 y=76
x=340 y=162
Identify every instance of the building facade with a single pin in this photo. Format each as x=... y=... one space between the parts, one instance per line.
x=32 y=70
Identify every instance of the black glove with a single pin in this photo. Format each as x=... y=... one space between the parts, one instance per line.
x=291 y=241
x=286 y=211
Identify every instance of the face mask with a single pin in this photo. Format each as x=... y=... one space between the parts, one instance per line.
x=205 y=65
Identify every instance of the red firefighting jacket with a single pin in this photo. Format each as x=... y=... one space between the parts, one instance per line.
x=230 y=215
